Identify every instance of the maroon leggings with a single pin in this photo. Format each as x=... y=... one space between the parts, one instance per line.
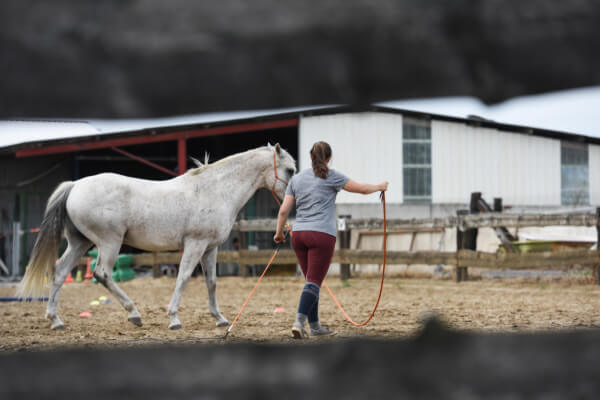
x=314 y=251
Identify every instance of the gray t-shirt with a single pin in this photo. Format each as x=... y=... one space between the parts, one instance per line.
x=315 y=200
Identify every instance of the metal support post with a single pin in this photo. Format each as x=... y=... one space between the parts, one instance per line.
x=16 y=249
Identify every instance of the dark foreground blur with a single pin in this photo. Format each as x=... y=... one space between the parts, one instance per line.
x=437 y=364
x=153 y=58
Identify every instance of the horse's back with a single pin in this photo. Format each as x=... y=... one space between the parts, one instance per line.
x=111 y=178
x=138 y=210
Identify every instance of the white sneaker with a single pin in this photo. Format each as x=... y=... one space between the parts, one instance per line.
x=298 y=331
x=322 y=331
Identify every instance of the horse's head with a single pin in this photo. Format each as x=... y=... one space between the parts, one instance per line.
x=284 y=164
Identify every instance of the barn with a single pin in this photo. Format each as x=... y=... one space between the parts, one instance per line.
x=433 y=163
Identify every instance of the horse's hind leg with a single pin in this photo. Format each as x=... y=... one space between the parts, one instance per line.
x=77 y=246
x=107 y=256
x=209 y=265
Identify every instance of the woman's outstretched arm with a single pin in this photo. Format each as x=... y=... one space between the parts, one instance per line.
x=365 y=188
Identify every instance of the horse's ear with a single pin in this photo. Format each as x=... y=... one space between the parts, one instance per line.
x=269 y=145
x=196 y=161
x=278 y=149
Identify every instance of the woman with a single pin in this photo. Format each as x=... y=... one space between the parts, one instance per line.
x=314 y=233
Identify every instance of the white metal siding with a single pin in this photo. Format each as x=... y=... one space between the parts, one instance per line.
x=367 y=147
x=594 y=168
x=522 y=169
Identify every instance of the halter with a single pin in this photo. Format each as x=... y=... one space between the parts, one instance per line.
x=277 y=178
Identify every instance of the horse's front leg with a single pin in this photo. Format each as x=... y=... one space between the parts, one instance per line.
x=192 y=252
x=209 y=265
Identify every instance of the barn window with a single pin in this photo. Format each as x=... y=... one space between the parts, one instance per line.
x=416 y=159
x=574 y=173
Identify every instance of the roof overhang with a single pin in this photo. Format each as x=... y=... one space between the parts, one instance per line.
x=275 y=120
x=144 y=137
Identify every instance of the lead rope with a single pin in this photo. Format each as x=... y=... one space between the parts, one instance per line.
x=277 y=178
x=274 y=253
x=382 y=276
x=255 y=286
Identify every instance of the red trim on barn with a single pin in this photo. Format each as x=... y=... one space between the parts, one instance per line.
x=98 y=143
x=181 y=156
x=144 y=161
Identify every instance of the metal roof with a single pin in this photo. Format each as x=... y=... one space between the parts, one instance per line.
x=25 y=134
x=573 y=110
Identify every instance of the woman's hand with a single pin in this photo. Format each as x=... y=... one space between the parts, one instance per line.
x=284 y=211
x=279 y=238
x=383 y=186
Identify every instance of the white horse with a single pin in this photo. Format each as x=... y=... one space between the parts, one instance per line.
x=194 y=212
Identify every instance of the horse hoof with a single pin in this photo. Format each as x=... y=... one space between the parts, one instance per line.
x=137 y=321
x=175 y=327
x=223 y=323
x=57 y=327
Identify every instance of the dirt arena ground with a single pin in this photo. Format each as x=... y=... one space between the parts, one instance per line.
x=484 y=305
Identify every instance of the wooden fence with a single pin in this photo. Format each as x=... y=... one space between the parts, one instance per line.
x=461 y=259
x=469 y=221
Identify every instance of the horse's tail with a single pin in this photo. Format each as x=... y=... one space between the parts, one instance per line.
x=45 y=250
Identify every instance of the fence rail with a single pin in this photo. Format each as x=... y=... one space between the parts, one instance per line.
x=469 y=221
x=462 y=258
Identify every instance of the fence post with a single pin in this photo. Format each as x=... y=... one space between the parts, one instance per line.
x=498 y=204
x=467 y=239
x=470 y=239
x=243 y=237
x=597 y=271
x=460 y=240
x=344 y=237
x=155 y=265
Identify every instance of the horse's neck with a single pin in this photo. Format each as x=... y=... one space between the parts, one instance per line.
x=239 y=178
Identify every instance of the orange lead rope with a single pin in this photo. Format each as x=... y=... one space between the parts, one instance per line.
x=382 y=276
x=252 y=292
x=277 y=178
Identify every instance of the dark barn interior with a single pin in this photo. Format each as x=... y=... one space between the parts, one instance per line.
x=28 y=181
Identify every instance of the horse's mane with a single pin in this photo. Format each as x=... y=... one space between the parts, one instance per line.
x=198 y=170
